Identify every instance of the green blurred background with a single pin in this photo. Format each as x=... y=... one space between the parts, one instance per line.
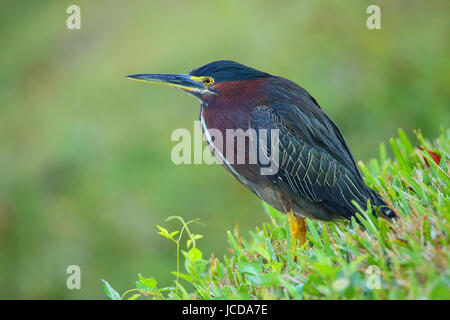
x=85 y=170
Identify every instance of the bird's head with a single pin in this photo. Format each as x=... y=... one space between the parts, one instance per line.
x=214 y=79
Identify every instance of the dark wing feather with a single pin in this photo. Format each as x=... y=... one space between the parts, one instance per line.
x=302 y=114
x=311 y=170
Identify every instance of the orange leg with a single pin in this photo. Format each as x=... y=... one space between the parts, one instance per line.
x=297 y=227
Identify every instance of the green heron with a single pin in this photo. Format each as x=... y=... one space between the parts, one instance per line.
x=316 y=176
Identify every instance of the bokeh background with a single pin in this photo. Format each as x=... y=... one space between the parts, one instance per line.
x=85 y=169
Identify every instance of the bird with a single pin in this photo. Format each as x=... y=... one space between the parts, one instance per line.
x=314 y=174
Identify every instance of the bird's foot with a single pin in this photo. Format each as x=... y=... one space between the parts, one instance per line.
x=297 y=228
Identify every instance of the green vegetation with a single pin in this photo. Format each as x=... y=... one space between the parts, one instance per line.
x=403 y=259
x=85 y=170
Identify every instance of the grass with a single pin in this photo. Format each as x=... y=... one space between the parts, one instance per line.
x=402 y=259
x=84 y=153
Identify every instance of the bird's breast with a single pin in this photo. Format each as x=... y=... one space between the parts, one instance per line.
x=227 y=137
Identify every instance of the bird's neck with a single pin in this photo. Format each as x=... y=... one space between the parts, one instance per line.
x=230 y=108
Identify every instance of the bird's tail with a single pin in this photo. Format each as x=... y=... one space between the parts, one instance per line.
x=381 y=205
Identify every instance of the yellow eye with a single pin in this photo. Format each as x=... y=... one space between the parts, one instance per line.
x=207 y=81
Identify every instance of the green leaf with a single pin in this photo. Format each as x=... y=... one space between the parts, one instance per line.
x=402 y=161
x=184 y=276
x=195 y=254
x=146 y=284
x=233 y=243
x=193 y=237
x=270 y=279
x=312 y=230
x=263 y=252
x=173 y=234
x=134 y=296
x=405 y=141
x=163 y=232
x=340 y=284
x=435 y=166
x=252 y=271
x=110 y=292
x=269 y=246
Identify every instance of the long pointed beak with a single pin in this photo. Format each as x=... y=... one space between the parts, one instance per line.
x=181 y=81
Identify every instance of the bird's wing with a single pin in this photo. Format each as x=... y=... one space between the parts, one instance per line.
x=302 y=114
x=312 y=171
